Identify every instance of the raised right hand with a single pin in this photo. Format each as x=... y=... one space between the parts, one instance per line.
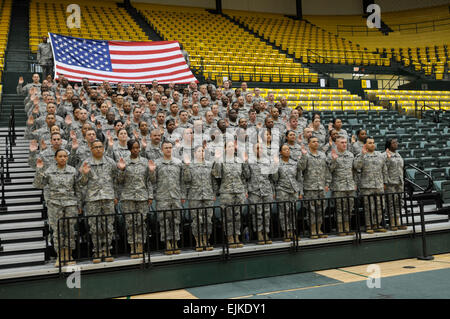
x=33 y=146
x=85 y=168
x=39 y=163
x=151 y=166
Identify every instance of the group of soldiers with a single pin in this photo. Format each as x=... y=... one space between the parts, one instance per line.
x=98 y=149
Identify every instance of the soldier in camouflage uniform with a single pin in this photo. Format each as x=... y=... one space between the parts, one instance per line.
x=152 y=151
x=394 y=165
x=136 y=194
x=98 y=176
x=261 y=190
x=372 y=165
x=169 y=192
x=201 y=189
x=316 y=179
x=288 y=182
x=343 y=184
x=63 y=201
x=233 y=173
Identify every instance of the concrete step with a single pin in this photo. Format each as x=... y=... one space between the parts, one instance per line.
x=19 y=217
x=22 y=181
x=25 y=208
x=37 y=192
x=22 y=247
x=21 y=235
x=20 y=259
x=14 y=187
x=10 y=227
x=22 y=200
x=428 y=219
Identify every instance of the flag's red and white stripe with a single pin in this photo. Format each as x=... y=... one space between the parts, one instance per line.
x=136 y=62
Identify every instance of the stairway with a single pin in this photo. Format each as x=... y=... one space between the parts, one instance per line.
x=22 y=224
x=151 y=34
x=10 y=101
x=17 y=48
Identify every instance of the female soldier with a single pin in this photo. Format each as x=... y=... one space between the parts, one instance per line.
x=120 y=149
x=289 y=188
x=63 y=201
x=233 y=191
x=136 y=195
x=394 y=185
x=201 y=189
x=294 y=147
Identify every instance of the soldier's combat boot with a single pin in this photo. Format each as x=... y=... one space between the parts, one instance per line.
x=138 y=252
x=206 y=243
x=198 y=244
x=238 y=243
x=268 y=241
x=347 y=229
x=68 y=257
x=287 y=236
x=175 y=247
x=169 y=250
x=313 y=232
x=96 y=258
x=231 y=243
x=108 y=259
x=340 y=230
x=369 y=230
x=260 y=238
x=321 y=235
x=60 y=255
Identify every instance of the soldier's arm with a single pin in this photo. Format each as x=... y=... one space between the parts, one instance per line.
x=385 y=172
x=148 y=184
x=331 y=163
x=40 y=179
x=303 y=162
x=32 y=157
x=299 y=177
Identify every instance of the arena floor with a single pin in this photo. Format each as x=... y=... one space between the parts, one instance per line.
x=401 y=279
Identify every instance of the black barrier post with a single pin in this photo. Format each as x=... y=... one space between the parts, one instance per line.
x=2 y=172
x=424 y=255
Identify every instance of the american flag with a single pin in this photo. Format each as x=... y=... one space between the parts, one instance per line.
x=119 y=61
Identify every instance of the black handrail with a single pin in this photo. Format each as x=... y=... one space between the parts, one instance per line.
x=424 y=106
x=418 y=27
x=2 y=178
x=429 y=177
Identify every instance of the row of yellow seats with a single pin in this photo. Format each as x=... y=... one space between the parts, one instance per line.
x=304 y=91
x=312 y=78
x=409 y=92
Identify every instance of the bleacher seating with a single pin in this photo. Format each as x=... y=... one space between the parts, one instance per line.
x=306 y=41
x=321 y=99
x=222 y=48
x=99 y=20
x=407 y=99
x=420 y=36
x=5 y=16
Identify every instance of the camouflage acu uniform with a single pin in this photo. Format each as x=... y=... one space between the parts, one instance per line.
x=100 y=192
x=168 y=191
x=152 y=152
x=288 y=186
x=233 y=188
x=343 y=184
x=117 y=152
x=315 y=177
x=134 y=195
x=62 y=201
x=373 y=175
x=260 y=190
x=201 y=192
x=394 y=183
